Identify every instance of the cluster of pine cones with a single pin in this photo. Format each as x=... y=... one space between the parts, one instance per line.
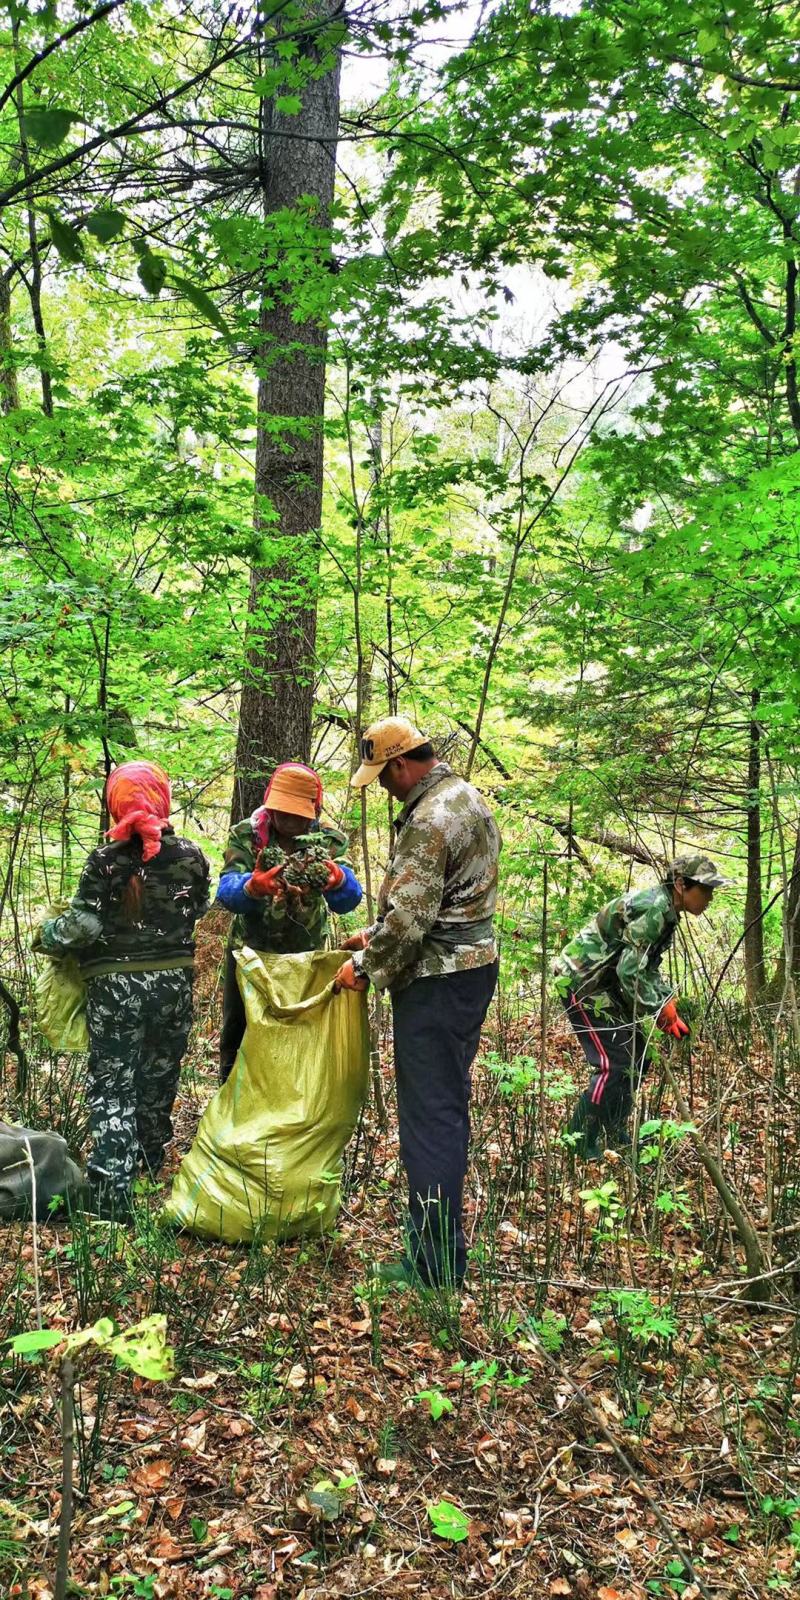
x=306 y=868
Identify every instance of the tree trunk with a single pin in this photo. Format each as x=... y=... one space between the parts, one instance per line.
x=34 y=283
x=297 y=160
x=754 y=975
x=9 y=392
x=791 y=935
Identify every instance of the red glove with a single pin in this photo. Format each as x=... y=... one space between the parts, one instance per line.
x=348 y=978
x=669 y=1021
x=335 y=877
x=357 y=941
x=262 y=884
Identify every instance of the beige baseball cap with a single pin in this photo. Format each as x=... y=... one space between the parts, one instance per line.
x=381 y=742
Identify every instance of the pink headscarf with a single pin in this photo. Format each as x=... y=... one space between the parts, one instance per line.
x=139 y=799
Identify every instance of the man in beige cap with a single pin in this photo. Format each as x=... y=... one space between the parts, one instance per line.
x=433 y=948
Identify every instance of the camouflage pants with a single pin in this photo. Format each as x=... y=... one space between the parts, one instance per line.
x=139 y=1026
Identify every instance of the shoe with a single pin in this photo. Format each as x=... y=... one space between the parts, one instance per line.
x=401 y=1274
x=592 y=1152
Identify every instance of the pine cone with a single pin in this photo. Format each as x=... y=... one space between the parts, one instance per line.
x=306 y=869
x=270 y=856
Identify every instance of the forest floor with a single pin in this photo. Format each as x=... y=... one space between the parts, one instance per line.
x=298 y=1451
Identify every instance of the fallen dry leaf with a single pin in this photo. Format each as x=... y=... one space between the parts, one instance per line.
x=627 y=1538
x=168 y=1548
x=152 y=1476
x=194 y=1439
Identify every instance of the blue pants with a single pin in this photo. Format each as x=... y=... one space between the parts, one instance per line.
x=437 y=1030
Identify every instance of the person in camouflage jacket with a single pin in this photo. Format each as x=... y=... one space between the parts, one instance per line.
x=269 y=915
x=131 y=926
x=433 y=947
x=614 y=994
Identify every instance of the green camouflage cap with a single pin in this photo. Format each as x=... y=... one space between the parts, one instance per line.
x=700 y=869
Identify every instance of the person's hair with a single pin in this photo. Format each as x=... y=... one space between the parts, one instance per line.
x=132 y=896
x=423 y=752
x=131 y=889
x=688 y=883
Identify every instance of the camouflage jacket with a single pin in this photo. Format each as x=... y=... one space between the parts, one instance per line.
x=288 y=926
x=436 y=903
x=614 y=960
x=97 y=928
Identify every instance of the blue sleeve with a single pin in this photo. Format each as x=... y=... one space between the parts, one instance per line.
x=347 y=896
x=231 y=892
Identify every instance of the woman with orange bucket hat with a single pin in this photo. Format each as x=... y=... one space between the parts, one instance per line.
x=269 y=915
x=131 y=926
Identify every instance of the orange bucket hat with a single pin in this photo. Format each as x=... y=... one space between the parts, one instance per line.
x=295 y=788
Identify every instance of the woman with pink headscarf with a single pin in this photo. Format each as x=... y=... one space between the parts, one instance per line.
x=131 y=926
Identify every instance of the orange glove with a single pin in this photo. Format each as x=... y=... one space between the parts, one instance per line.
x=335 y=877
x=357 y=941
x=262 y=884
x=348 y=978
x=669 y=1021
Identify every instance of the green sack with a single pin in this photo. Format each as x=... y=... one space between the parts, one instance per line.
x=60 y=994
x=54 y=1173
x=267 y=1156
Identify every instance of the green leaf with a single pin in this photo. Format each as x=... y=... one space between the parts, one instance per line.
x=289 y=104
x=201 y=301
x=105 y=224
x=152 y=270
x=448 y=1521
x=439 y=1403
x=121 y=1509
x=144 y=1349
x=48 y=125
x=327 y=1501
x=66 y=240
x=24 y=1344
x=265 y=86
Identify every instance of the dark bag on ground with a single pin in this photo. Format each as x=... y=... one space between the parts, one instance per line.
x=54 y=1173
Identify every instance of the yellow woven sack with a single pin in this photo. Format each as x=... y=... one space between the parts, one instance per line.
x=267 y=1156
x=60 y=995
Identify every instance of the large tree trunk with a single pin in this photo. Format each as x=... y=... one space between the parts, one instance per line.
x=754 y=974
x=298 y=160
x=34 y=281
x=788 y=970
x=9 y=392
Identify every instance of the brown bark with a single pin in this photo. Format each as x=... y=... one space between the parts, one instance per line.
x=757 y=1285
x=754 y=974
x=9 y=392
x=297 y=159
x=791 y=923
x=34 y=283
x=61 y=1584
